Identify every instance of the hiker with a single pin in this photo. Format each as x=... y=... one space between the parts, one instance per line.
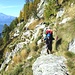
x=49 y=38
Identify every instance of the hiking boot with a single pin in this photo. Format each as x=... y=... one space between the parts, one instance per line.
x=47 y=51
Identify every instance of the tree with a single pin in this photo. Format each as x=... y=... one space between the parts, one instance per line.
x=50 y=9
x=20 y=16
x=5 y=33
x=29 y=9
x=1 y=41
x=13 y=24
x=26 y=12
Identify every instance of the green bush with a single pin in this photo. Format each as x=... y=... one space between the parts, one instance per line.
x=28 y=70
x=17 y=69
x=70 y=54
x=50 y=9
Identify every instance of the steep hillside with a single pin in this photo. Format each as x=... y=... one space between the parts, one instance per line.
x=25 y=53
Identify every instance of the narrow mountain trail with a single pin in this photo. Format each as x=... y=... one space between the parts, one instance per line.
x=50 y=64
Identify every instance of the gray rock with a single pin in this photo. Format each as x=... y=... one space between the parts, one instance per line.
x=65 y=20
x=72 y=46
x=40 y=8
x=11 y=54
x=60 y=13
x=50 y=65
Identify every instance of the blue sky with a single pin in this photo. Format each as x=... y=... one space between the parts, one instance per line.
x=11 y=7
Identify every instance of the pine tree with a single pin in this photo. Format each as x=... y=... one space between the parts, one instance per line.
x=21 y=16
x=26 y=12
x=5 y=33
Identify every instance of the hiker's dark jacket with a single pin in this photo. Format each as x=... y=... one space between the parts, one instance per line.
x=49 y=42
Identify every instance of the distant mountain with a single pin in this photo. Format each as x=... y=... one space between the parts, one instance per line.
x=1 y=28
x=5 y=19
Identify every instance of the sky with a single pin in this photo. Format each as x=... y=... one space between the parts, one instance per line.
x=11 y=7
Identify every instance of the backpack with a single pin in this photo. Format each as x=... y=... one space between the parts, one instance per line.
x=48 y=34
x=49 y=31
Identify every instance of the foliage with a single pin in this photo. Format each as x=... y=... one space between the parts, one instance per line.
x=13 y=24
x=20 y=19
x=5 y=33
x=16 y=70
x=25 y=11
x=66 y=32
x=28 y=70
x=1 y=41
x=29 y=9
x=52 y=7
x=17 y=59
x=33 y=46
x=23 y=54
x=69 y=54
x=70 y=62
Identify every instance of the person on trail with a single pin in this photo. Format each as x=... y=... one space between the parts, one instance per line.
x=49 y=38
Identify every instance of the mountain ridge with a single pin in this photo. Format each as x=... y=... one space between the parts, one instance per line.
x=5 y=19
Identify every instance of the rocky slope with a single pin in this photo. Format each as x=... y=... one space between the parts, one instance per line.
x=37 y=60
x=49 y=64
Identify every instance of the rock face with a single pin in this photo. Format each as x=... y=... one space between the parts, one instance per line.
x=72 y=46
x=65 y=20
x=60 y=13
x=50 y=65
x=40 y=8
x=11 y=54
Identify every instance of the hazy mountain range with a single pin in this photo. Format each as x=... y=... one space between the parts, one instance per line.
x=1 y=27
x=5 y=19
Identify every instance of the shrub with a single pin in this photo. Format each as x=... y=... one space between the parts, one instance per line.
x=28 y=70
x=69 y=54
x=24 y=53
x=70 y=64
x=17 y=69
x=16 y=59
x=33 y=46
x=50 y=9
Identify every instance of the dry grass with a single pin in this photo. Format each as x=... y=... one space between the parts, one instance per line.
x=70 y=11
x=70 y=62
x=33 y=25
x=33 y=46
x=17 y=59
x=67 y=33
x=60 y=1
x=24 y=54
x=32 y=53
